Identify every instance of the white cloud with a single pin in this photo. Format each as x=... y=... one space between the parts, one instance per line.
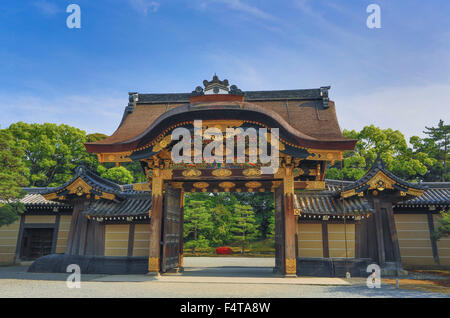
x=46 y=7
x=243 y=7
x=144 y=6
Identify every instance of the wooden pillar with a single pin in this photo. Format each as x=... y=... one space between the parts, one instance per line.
x=131 y=239
x=433 y=242
x=95 y=242
x=325 y=245
x=156 y=222
x=180 y=259
x=362 y=237
x=289 y=223
x=76 y=242
x=393 y=232
x=379 y=232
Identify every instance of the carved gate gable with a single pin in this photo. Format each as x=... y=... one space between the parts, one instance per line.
x=279 y=231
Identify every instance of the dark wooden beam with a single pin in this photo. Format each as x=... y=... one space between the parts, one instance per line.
x=325 y=245
x=379 y=232
x=433 y=242
x=393 y=232
x=130 y=239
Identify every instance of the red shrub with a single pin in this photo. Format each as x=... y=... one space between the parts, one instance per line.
x=224 y=250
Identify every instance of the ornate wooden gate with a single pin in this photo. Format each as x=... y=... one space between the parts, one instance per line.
x=279 y=231
x=172 y=229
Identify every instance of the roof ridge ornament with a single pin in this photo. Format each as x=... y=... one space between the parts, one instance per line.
x=324 y=94
x=379 y=162
x=216 y=86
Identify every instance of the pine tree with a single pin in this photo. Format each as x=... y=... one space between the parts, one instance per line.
x=197 y=225
x=438 y=141
x=443 y=229
x=244 y=225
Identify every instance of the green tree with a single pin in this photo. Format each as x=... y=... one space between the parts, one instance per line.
x=244 y=225
x=436 y=145
x=136 y=170
x=51 y=152
x=12 y=178
x=197 y=224
x=443 y=229
x=407 y=163
x=263 y=206
x=200 y=242
x=116 y=174
x=221 y=218
x=95 y=137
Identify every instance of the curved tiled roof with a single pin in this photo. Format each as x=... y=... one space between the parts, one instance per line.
x=302 y=110
x=133 y=205
x=94 y=180
x=326 y=203
x=378 y=166
x=249 y=96
x=436 y=193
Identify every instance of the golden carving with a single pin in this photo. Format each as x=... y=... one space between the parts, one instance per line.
x=415 y=192
x=279 y=174
x=153 y=264
x=222 y=124
x=276 y=184
x=201 y=185
x=145 y=186
x=157 y=182
x=298 y=172
x=288 y=180
x=348 y=193
x=315 y=185
x=253 y=184
x=296 y=211
x=79 y=187
x=108 y=196
x=177 y=185
x=226 y=185
x=79 y=191
x=291 y=266
x=191 y=173
x=251 y=172
x=50 y=196
x=327 y=155
x=221 y=173
x=163 y=143
x=380 y=182
x=114 y=157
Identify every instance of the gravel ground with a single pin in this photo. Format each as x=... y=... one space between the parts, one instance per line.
x=16 y=282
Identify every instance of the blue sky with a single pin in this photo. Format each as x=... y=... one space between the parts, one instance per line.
x=394 y=77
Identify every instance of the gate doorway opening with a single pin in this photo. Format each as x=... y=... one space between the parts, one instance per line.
x=228 y=234
x=200 y=225
x=36 y=242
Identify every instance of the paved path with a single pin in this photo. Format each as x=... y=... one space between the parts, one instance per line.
x=204 y=277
